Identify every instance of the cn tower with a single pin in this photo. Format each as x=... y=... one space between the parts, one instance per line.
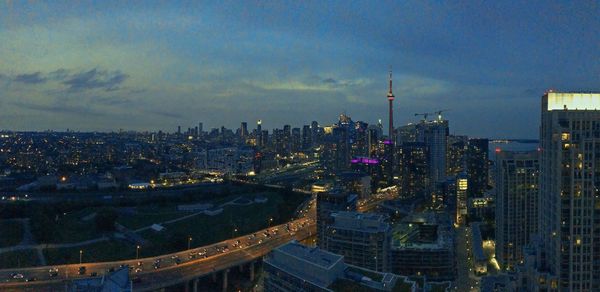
x=390 y=141
x=390 y=97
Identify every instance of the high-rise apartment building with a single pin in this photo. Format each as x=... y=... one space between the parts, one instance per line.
x=568 y=253
x=517 y=180
x=435 y=136
x=477 y=166
x=414 y=170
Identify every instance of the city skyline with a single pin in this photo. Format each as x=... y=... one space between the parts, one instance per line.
x=151 y=66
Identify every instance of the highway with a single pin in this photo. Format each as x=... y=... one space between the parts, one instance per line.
x=173 y=268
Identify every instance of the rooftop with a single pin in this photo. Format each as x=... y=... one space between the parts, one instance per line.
x=366 y=222
x=311 y=255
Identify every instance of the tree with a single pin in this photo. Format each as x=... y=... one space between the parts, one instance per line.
x=105 y=220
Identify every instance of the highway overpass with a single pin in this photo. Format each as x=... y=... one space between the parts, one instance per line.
x=176 y=268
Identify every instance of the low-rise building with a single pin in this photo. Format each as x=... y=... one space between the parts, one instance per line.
x=362 y=238
x=296 y=267
x=423 y=246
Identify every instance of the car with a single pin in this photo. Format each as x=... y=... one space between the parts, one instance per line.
x=53 y=272
x=137 y=270
x=111 y=269
x=32 y=279
x=81 y=270
x=192 y=255
x=139 y=263
x=93 y=274
x=17 y=276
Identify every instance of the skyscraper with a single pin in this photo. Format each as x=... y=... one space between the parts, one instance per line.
x=259 y=133
x=477 y=166
x=566 y=254
x=306 y=137
x=517 y=178
x=569 y=196
x=462 y=186
x=435 y=136
x=244 y=130
x=414 y=170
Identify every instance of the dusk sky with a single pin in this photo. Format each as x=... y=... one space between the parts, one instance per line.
x=148 y=65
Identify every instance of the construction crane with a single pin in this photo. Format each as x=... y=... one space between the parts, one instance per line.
x=425 y=115
x=439 y=113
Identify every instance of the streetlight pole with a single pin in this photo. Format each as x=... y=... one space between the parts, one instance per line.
x=80 y=255
x=137 y=252
x=189 y=241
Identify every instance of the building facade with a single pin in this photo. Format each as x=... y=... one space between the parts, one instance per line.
x=517 y=186
x=362 y=238
x=568 y=253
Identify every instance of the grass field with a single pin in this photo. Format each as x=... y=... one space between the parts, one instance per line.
x=203 y=229
x=18 y=259
x=97 y=252
x=11 y=233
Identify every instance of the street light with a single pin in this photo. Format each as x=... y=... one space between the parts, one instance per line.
x=80 y=255
x=270 y=221
x=137 y=252
x=189 y=242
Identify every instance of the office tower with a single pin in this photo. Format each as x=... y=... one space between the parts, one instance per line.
x=259 y=139
x=178 y=130
x=461 y=198
x=314 y=128
x=362 y=238
x=296 y=140
x=244 y=130
x=477 y=166
x=569 y=223
x=414 y=170
x=517 y=177
x=200 y=127
x=406 y=133
x=360 y=145
x=373 y=137
x=327 y=203
x=286 y=143
x=264 y=138
x=456 y=155
x=306 y=137
x=434 y=134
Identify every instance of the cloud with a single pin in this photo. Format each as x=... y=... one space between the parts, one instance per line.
x=330 y=81
x=96 y=79
x=33 y=78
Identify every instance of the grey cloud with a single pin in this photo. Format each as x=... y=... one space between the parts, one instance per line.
x=33 y=78
x=60 y=74
x=330 y=81
x=96 y=79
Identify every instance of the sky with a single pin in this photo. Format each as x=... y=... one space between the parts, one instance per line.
x=154 y=65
